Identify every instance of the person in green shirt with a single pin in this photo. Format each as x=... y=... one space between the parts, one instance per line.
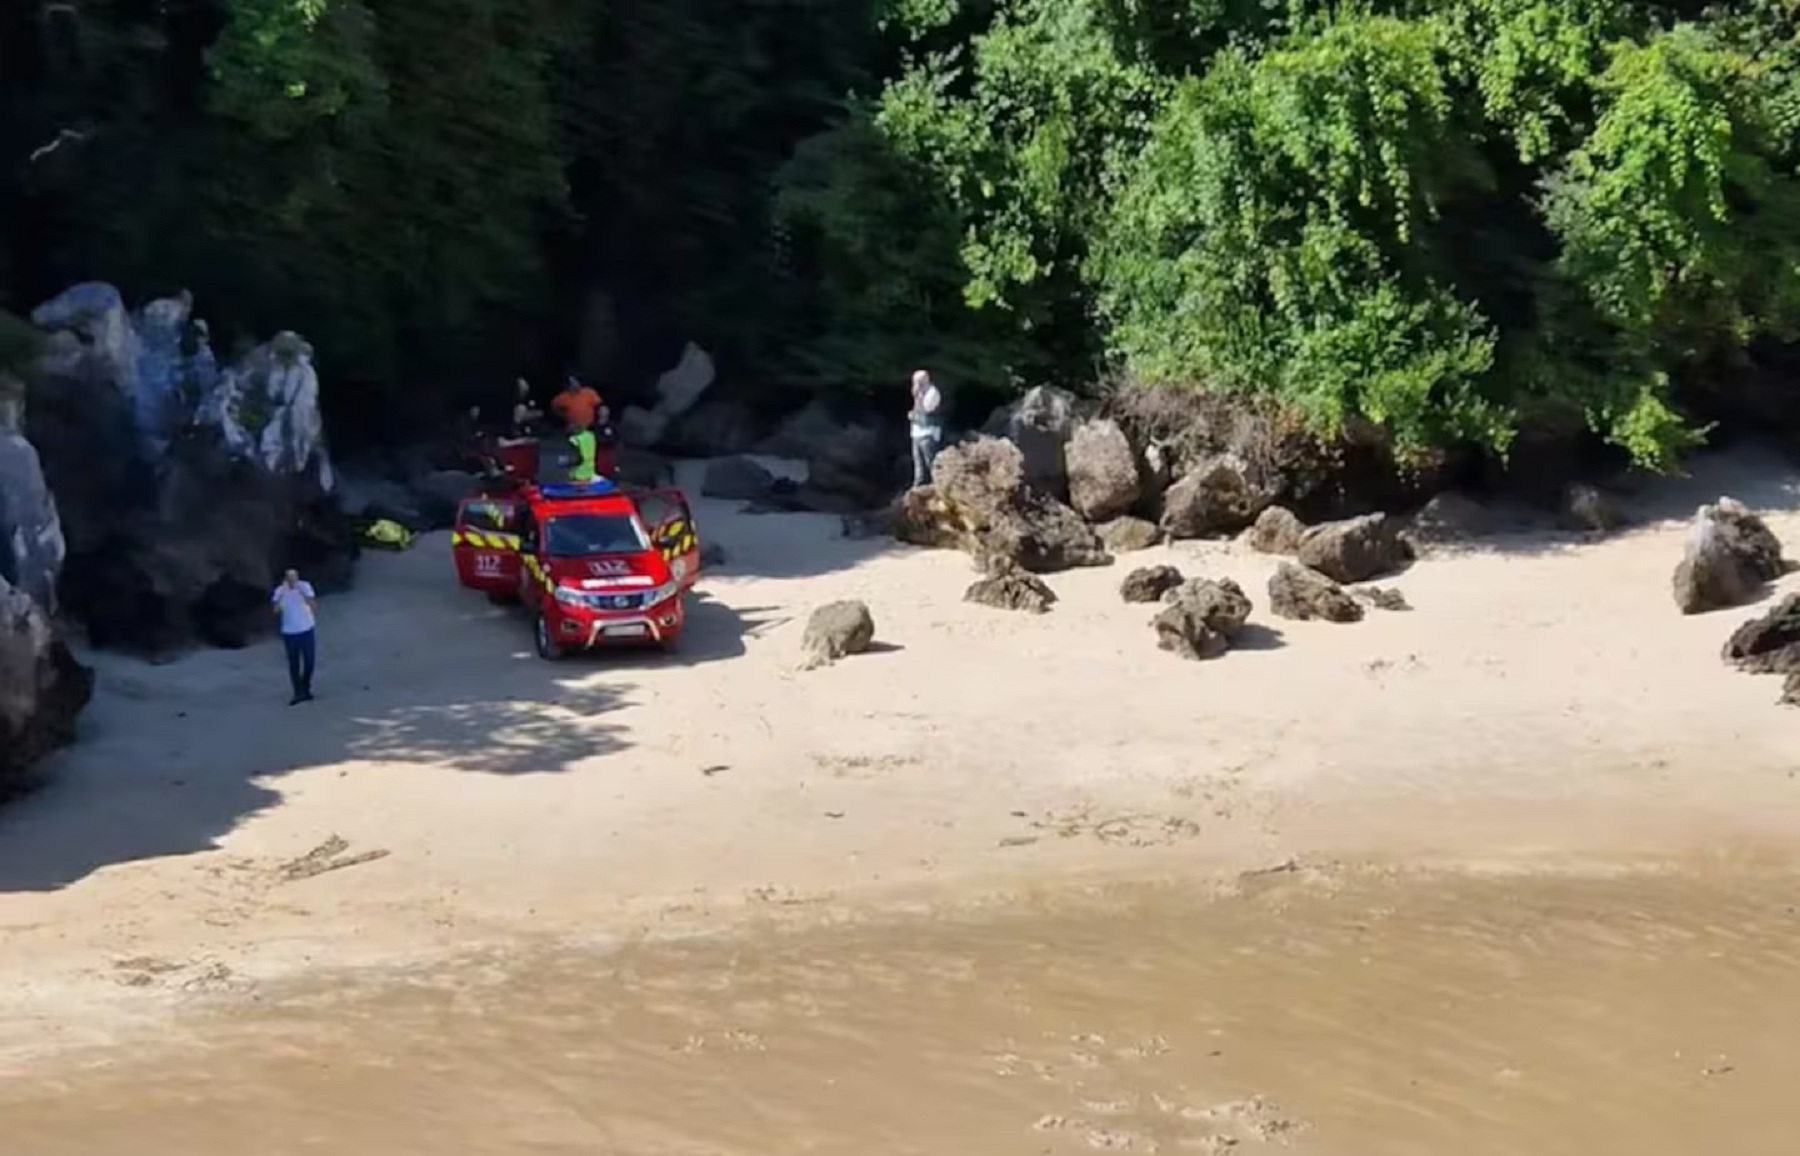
x=585 y=446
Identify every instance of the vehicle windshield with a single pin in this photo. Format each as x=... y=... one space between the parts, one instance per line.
x=578 y=535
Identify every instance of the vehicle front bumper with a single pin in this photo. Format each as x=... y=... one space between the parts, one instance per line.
x=587 y=627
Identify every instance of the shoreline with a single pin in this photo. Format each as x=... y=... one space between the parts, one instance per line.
x=1543 y=709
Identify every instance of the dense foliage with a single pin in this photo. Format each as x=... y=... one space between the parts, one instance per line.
x=1454 y=218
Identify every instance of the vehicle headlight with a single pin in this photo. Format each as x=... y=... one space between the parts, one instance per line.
x=569 y=596
x=662 y=594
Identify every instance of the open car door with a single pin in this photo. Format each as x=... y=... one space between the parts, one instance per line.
x=671 y=524
x=485 y=545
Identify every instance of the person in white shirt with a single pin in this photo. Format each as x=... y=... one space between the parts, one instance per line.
x=927 y=422
x=295 y=606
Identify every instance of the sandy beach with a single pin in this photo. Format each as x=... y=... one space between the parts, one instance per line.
x=1541 y=706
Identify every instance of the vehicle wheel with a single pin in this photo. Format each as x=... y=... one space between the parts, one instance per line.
x=501 y=598
x=547 y=648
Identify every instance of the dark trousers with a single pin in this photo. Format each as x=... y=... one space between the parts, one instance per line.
x=302 y=652
x=925 y=449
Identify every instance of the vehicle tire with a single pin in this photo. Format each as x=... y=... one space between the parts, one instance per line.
x=502 y=598
x=547 y=648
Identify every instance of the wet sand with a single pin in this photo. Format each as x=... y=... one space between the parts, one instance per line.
x=1307 y=1013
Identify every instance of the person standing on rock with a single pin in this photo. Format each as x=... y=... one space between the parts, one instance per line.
x=295 y=605
x=927 y=422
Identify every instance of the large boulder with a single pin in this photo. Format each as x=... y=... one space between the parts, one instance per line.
x=1201 y=617
x=1104 y=481
x=1729 y=554
x=1220 y=495
x=1355 y=549
x=980 y=503
x=1451 y=519
x=185 y=487
x=42 y=689
x=1040 y=424
x=1305 y=595
x=836 y=630
x=1277 y=530
x=31 y=537
x=677 y=391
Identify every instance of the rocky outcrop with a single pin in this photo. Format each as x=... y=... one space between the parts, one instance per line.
x=1201 y=617
x=678 y=390
x=1730 y=553
x=31 y=536
x=1220 y=495
x=1149 y=583
x=184 y=486
x=1277 y=530
x=1354 y=549
x=1306 y=595
x=1104 y=482
x=980 y=503
x=714 y=428
x=836 y=630
x=42 y=689
x=1009 y=588
x=851 y=462
x=1040 y=424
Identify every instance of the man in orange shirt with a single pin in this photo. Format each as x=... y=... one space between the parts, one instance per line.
x=577 y=404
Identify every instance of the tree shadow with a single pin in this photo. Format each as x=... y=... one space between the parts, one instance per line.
x=173 y=757
x=1764 y=478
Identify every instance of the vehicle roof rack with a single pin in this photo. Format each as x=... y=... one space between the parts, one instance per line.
x=598 y=488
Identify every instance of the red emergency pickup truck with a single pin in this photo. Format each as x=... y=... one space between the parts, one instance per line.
x=593 y=564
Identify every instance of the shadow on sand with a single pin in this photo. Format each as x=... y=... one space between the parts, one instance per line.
x=173 y=758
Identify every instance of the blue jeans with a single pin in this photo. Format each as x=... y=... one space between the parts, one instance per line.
x=302 y=652
x=925 y=447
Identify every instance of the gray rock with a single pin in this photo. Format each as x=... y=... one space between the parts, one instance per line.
x=1354 y=549
x=1304 y=595
x=836 y=630
x=1452 y=518
x=1218 y=496
x=370 y=496
x=1590 y=509
x=1277 y=530
x=1128 y=534
x=1220 y=603
x=1104 y=481
x=1181 y=630
x=32 y=547
x=42 y=689
x=680 y=388
x=641 y=427
x=1730 y=553
x=1040 y=424
x=737 y=478
x=1012 y=589
x=1381 y=597
x=1768 y=643
x=1149 y=583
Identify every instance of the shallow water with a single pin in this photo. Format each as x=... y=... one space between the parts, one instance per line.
x=1643 y=1015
